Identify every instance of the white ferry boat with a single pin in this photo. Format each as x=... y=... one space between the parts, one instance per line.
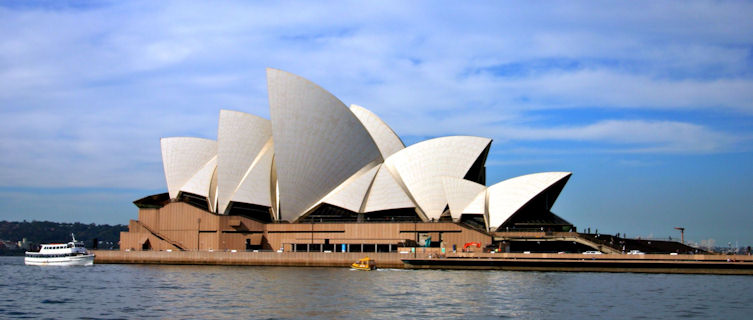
x=60 y=254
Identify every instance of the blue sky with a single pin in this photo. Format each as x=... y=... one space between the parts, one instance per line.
x=649 y=104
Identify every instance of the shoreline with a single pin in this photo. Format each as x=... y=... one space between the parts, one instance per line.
x=572 y=262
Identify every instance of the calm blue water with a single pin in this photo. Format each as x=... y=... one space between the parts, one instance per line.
x=215 y=292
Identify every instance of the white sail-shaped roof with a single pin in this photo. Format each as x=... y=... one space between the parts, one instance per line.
x=507 y=197
x=316 y=150
x=182 y=158
x=255 y=187
x=461 y=193
x=477 y=205
x=385 y=138
x=386 y=194
x=420 y=168
x=319 y=142
x=200 y=183
x=240 y=140
x=351 y=194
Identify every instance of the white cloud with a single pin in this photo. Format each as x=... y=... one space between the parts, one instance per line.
x=87 y=93
x=639 y=135
x=608 y=89
x=612 y=136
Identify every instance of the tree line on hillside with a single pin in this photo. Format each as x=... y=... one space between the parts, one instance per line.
x=39 y=232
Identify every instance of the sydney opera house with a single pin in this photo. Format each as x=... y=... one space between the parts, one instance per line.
x=321 y=176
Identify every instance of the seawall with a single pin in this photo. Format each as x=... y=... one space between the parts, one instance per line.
x=649 y=263
x=575 y=262
x=243 y=258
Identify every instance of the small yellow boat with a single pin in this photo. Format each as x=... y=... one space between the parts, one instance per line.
x=366 y=264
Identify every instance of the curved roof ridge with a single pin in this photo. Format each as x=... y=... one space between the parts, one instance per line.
x=319 y=142
x=254 y=186
x=509 y=196
x=460 y=194
x=386 y=193
x=182 y=158
x=200 y=182
x=385 y=138
x=352 y=192
x=420 y=168
x=241 y=138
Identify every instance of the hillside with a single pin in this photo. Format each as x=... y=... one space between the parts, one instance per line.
x=37 y=232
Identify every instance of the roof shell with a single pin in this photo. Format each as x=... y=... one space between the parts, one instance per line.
x=182 y=158
x=507 y=197
x=419 y=168
x=386 y=194
x=255 y=186
x=319 y=142
x=201 y=181
x=241 y=138
x=351 y=194
x=385 y=138
x=461 y=193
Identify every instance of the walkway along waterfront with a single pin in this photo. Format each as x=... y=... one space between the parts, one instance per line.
x=649 y=263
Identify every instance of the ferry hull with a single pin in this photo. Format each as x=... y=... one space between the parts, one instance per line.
x=83 y=260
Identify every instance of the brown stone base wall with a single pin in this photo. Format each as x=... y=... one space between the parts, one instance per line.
x=291 y=259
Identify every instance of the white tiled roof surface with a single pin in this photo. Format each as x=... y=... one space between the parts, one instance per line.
x=182 y=158
x=386 y=193
x=507 y=197
x=240 y=140
x=385 y=138
x=420 y=168
x=351 y=194
x=319 y=143
x=461 y=193
x=324 y=152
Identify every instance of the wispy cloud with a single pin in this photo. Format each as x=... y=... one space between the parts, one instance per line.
x=637 y=135
x=89 y=90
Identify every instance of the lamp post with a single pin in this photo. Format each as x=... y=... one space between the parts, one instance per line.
x=682 y=234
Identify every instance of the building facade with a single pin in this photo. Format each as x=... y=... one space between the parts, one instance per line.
x=321 y=176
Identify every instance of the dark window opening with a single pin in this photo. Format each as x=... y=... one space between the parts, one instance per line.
x=477 y=172
x=329 y=213
x=155 y=201
x=398 y=215
x=251 y=211
x=474 y=221
x=536 y=215
x=194 y=200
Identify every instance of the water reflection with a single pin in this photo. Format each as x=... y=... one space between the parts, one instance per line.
x=144 y=291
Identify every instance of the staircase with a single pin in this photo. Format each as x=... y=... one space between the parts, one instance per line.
x=160 y=236
x=591 y=242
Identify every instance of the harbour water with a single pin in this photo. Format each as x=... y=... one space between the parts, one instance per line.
x=224 y=292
